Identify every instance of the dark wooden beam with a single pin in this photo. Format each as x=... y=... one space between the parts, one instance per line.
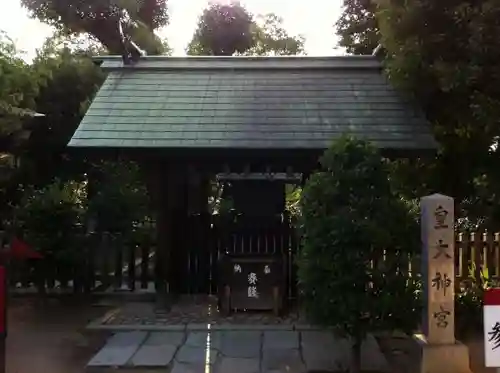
x=281 y=176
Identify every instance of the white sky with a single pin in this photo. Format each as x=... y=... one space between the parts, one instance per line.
x=313 y=19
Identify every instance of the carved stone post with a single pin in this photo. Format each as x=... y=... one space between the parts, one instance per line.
x=441 y=353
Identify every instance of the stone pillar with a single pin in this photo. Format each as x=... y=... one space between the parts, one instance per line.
x=441 y=353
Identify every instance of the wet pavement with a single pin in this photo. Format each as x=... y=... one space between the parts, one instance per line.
x=230 y=351
x=50 y=336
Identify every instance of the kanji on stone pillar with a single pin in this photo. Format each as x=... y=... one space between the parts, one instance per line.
x=440 y=352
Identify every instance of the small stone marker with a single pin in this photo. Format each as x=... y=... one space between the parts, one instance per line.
x=491 y=314
x=441 y=353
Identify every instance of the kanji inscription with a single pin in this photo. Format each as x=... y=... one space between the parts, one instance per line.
x=442 y=250
x=494 y=336
x=252 y=279
x=441 y=282
x=440 y=214
x=441 y=317
x=437 y=222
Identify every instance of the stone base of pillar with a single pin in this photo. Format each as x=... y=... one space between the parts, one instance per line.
x=442 y=358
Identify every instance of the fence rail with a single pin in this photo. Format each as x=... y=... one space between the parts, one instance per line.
x=109 y=263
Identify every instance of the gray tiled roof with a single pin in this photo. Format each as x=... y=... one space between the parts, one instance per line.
x=293 y=102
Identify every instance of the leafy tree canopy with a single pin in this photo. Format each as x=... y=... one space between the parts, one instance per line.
x=18 y=90
x=271 y=38
x=357 y=26
x=59 y=83
x=223 y=29
x=450 y=65
x=100 y=19
x=226 y=30
x=68 y=82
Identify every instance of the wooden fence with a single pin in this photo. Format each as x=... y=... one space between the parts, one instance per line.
x=477 y=255
x=105 y=262
x=108 y=263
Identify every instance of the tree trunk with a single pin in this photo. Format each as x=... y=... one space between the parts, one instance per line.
x=356 y=356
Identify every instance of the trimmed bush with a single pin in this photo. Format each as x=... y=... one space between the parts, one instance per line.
x=351 y=220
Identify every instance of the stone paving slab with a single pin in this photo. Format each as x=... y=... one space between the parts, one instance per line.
x=118 y=349
x=241 y=344
x=204 y=339
x=165 y=338
x=238 y=365
x=282 y=360
x=281 y=340
x=188 y=368
x=274 y=351
x=324 y=351
x=153 y=356
x=196 y=355
x=157 y=350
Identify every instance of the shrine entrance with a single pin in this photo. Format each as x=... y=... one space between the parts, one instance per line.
x=254 y=223
x=250 y=123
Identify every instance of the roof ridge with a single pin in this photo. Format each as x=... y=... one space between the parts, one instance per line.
x=111 y=63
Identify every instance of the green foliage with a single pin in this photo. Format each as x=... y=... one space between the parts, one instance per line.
x=357 y=26
x=49 y=218
x=469 y=301
x=456 y=91
x=222 y=31
x=100 y=19
x=18 y=89
x=44 y=199
x=60 y=83
x=226 y=30
x=121 y=198
x=292 y=195
x=69 y=82
x=350 y=215
x=271 y=38
x=448 y=66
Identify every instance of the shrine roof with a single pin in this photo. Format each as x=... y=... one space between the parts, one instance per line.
x=249 y=103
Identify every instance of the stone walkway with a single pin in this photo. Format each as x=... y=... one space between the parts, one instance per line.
x=232 y=351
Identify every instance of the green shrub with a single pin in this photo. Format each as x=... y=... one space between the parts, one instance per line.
x=469 y=303
x=350 y=215
x=49 y=220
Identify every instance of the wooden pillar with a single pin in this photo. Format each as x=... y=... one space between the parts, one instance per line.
x=176 y=212
x=197 y=244
x=167 y=188
x=153 y=175
x=198 y=191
